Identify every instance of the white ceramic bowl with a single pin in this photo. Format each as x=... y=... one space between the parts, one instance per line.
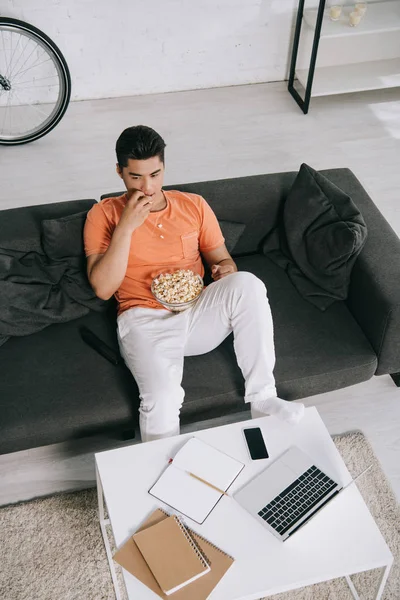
x=177 y=306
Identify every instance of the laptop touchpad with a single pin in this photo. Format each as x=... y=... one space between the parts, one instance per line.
x=265 y=486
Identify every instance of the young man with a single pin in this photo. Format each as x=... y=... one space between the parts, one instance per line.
x=134 y=237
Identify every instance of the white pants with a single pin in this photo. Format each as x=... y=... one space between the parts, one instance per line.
x=154 y=342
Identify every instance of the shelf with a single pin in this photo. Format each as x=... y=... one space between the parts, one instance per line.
x=381 y=17
x=356 y=77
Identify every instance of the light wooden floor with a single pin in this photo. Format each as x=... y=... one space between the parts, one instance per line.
x=213 y=134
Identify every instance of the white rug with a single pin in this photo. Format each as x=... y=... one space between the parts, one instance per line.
x=52 y=549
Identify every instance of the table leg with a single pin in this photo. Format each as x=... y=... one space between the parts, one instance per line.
x=381 y=584
x=352 y=588
x=103 y=523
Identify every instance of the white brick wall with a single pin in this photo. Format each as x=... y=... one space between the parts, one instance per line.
x=129 y=47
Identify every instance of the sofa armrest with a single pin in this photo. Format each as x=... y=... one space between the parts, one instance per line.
x=374 y=293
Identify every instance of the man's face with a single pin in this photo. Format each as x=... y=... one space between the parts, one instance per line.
x=147 y=176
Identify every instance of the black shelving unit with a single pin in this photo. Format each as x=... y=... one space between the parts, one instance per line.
x=305 y=103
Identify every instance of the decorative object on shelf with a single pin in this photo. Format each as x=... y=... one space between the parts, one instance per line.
x=379 y=70
x=355 y=18
x=334 y=12
x=361 y=8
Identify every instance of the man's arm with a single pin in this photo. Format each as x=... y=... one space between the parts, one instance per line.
x=220 y=262
x=106 y=271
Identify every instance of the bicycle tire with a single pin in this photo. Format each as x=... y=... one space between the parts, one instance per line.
x=65 y=81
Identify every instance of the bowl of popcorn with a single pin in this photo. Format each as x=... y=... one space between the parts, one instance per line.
x=177 y=291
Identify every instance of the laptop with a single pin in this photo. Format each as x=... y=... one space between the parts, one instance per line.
x=287 y=493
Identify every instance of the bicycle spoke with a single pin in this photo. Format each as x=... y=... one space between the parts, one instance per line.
x=9 y=64
x=5 y=112
x=11 y=59
x=5 y=55
x=36 y=87
x=10 y=113
x=18 y=59
x=2 y=129
x=33 y=122
x=29 y=128
x=38 y=79
x=4 y=51
x=12 y=74
x=34 y=65
x=32 y=106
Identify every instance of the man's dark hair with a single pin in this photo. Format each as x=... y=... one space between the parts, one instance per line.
x=139 y=143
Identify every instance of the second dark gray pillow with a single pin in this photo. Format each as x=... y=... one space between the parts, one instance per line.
x=319 y=236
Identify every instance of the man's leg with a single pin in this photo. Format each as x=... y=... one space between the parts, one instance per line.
x=239 y=303
x=151 y=342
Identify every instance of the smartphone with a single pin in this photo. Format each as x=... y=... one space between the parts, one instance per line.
x=255 y=443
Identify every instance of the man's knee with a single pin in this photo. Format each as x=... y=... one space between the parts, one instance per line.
x=159 y=415
x=162 y=401
x=248 y=283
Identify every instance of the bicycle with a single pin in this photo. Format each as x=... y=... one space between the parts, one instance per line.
x=35 y=83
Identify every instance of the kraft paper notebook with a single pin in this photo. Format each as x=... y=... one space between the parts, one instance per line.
x=172 y=554
x=131 y=559
x=191 y=497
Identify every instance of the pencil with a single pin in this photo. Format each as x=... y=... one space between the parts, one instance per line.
x=208 y=483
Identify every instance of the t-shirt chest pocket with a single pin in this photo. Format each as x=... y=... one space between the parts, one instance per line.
x=190 y=244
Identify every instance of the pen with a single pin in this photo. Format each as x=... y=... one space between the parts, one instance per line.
x=207 y=483
x=214 y=487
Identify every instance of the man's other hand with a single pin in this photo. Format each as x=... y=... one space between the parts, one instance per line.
x=220 y=271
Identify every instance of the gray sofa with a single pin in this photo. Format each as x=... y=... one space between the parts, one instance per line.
x=55 y=388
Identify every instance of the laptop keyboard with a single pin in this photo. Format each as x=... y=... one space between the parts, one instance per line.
x=297 y=499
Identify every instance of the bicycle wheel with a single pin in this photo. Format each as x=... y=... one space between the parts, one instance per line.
x=35 y=84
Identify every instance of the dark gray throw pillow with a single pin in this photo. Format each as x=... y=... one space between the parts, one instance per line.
x=319 y=235
x=63 y=237
x=232 y=232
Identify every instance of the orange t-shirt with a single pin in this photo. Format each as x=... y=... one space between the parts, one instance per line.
x=168 y=239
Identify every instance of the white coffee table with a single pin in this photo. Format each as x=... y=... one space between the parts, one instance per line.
x=341 y=540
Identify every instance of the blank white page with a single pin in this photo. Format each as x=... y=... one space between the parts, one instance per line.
x=188 y=495
x=207 y=462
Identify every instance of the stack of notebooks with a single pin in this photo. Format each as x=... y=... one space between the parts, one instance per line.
x=170 y=558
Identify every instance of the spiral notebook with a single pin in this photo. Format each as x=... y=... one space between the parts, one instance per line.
x=131 y=559
x=171 y=554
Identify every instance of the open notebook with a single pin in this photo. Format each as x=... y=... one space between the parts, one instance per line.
x=191 y=497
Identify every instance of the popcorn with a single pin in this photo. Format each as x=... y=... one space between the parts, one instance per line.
x=181 y=286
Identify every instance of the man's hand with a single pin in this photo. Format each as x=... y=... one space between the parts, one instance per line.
x=220 y=271
x=135 y=212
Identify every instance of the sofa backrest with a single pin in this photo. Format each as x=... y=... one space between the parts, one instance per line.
x=253 y=200
x=20 y=228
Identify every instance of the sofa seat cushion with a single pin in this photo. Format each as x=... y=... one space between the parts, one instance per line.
x=56 y=388
x=315 y=351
